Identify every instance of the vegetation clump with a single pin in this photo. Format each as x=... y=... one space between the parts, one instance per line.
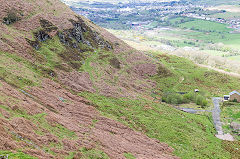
x=115 y=63
x=163 y=71
x=178 y=98
x=47 y=25
x=11 y=17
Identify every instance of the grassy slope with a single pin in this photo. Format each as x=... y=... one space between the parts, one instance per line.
x=211 y=82
x=192 y=136
x=21 y=74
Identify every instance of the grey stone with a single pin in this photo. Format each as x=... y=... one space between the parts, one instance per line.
x=235 y=126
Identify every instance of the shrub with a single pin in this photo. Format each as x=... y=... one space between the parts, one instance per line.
x=115 y=63
x=204 y=103
x=189 y=96
x=235 y=100
x=200 y=100
x=163 y=71
x=174 y=98
x=11 y=17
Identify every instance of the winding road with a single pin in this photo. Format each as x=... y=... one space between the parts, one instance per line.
x=216 y=113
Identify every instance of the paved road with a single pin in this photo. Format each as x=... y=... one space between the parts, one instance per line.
x=216 y=113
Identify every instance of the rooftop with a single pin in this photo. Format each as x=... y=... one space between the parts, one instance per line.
x=234 y=92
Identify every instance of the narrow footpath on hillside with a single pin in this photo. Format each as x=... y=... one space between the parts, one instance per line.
x=216 y=113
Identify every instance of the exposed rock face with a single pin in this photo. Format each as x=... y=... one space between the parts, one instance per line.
x=81 y=33
x=77 y=32
x=42 y=36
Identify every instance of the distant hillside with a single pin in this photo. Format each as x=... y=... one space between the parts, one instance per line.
x=69 y=2
x=215 y=2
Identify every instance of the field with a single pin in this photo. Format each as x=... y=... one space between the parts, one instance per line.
x=204 y=42
x=205 y=26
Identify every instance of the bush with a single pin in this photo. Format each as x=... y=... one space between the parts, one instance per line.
x=174 y=98
x=189 y=96
x=235 y=100
x=200 y=100
x=11 y=17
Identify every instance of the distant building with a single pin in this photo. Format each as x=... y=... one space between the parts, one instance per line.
x=226 y=97
x=135 y=24
x=196 y=90
x=234 y=95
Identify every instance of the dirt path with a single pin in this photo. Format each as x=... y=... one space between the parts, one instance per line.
x=221 y=71
x=216 y=112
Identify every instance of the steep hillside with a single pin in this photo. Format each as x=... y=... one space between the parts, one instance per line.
x=70 y=89
x=48 y=55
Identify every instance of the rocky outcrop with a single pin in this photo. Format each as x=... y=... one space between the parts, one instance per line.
x=42 y=35
x=82 y=33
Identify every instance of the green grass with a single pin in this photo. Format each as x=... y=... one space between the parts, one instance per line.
x=50 y=50
x=88 y=154
x=230 y=113
x=129 y=156
x=101 y=59
x=18 y=71
x=211 y=82
x=43 y=127
x=226 y=15
x=16 y=155
x=205 y=26
x=93 y=154
x=192 y=136
x=41 y=123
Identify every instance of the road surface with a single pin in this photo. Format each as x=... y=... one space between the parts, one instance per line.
x=216 y=114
